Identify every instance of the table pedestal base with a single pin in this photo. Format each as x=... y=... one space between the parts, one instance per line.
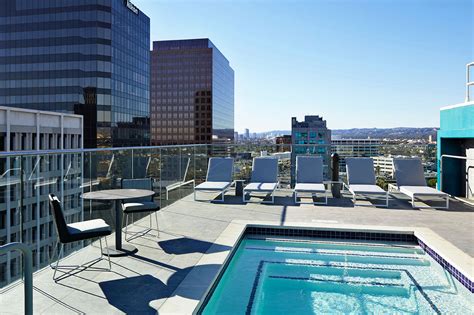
x=124 y=251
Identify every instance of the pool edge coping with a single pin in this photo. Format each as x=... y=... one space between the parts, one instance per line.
x=234 y=231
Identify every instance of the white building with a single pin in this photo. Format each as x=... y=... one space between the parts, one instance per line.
x=383 y=165
x=354 y=148
x=30 y=130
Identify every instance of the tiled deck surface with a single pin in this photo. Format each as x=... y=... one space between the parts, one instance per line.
x=188 y=229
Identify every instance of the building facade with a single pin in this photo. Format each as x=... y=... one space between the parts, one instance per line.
x=383 y=165
x=192 y=93
x=310 y=137
x=354 y=148
x=88 y=57
x=28 y=130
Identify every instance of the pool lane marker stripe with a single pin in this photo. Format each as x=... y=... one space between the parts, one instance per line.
x=263 y=262
x=287 y=240
x=374 y=283
x=325 y=252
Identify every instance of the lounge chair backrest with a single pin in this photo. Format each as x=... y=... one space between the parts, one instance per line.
x=360 y=171
x=220 y=169
x=265 y=170
x=409 y=172
x=59 y=221
x=174 y=168
x=309 y=169
x=138 y=183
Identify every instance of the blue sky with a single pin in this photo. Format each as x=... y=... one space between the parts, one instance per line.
x=359 y=63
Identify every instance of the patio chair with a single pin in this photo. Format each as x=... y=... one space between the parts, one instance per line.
x=139 y=205
x=309 y=178
x=361 y=179
x=264 y=178
x=78 y=231
x=173 y=174
x=411 y=181
x=218 y=178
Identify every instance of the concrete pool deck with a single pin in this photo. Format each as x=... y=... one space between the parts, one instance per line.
x=172 y=273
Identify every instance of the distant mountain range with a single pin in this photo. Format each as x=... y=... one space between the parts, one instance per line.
x=386 y=133
x=374 y=133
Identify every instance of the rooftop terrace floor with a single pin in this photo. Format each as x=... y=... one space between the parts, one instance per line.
x=141 y=283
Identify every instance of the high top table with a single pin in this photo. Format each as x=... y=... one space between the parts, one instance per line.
x=118 y=195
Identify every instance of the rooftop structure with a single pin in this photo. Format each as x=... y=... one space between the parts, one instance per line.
x=172 y=273
x=456 y=145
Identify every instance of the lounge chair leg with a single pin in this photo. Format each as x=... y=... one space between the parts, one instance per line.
x=57 y=262
x=447 y=202
x=326 y=196
x=223 y=192
x=413 y=201
x=296 y=197
x=126 y=225
x=108 y=253
x=194 y=195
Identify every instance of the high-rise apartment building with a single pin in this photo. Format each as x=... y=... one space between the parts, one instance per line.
x=29 y=130
x=88 y=57
x=310 y=137
x=192 y=93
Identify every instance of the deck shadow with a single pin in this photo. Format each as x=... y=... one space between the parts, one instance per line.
x=185 y=245
x=133 y=295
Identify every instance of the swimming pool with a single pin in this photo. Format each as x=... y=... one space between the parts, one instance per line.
x=288 y=275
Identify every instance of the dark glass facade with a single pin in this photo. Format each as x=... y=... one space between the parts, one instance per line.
x=89 y=57
x=192 y=93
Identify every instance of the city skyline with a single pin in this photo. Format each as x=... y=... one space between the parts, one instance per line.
x=374 y=60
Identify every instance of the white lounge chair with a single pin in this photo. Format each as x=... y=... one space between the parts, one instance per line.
x=411 y=181
x=309 y=178
x=361 y=179
x=264 y=178
x=218 y=178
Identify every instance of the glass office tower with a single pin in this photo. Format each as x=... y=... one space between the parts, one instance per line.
x=88 y=57
x=192 y=93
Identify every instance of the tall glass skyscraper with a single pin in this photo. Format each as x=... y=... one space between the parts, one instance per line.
x=192 y=93
x=88 y=57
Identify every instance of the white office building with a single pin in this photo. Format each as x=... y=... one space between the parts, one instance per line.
x=354 y=148
x=27 y=180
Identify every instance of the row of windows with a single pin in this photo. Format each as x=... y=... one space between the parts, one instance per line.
x=55 y=74
x=69 y=57
x=102 y=66
x=87 y=49
x=51 y=25
x=180 y=93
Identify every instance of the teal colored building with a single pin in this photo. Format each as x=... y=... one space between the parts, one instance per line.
x=456 y=138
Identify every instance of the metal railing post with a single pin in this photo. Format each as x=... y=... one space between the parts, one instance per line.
x=28 y=271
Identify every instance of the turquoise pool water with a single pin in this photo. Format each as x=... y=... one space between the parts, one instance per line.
x=296 y=276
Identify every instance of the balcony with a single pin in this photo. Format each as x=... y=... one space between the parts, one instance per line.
x=157 y=277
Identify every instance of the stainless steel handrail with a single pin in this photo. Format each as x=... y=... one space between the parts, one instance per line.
x=468 y=80
x=28 y=298
x=459 y=157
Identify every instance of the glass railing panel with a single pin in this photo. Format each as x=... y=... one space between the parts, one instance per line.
x=10 y=217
